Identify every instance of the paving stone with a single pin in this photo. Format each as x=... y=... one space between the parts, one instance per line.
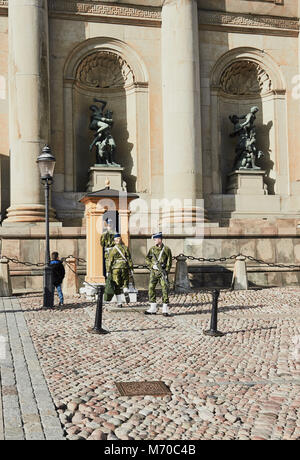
x=20 y=374
x=219 y=386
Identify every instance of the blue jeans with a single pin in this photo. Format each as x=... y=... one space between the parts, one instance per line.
x=60 y=294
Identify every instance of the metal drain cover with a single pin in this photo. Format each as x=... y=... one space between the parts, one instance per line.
x=155 y=388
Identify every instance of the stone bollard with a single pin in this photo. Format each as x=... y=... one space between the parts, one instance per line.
x=5 y=281
x=239 y=278
x=182 y=282
x=70 y=284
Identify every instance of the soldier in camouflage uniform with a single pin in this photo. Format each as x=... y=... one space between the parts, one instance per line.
x=119 y=265
x=159 y=261
x=107 y=241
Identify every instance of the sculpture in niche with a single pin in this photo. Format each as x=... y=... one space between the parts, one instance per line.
x=104 y=142
x=246 y=152
x=245 y=78
x=104 y=70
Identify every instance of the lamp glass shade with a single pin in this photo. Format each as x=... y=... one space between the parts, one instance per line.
x=46 y=168
x=46 y=163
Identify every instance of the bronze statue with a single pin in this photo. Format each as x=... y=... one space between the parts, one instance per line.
x=104 y=142
x=246 y=151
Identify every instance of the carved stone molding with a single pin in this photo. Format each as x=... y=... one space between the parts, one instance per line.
x=99 y=9
x=245 y=78
x=259 y=63
x=246 y=22
x=4 y=7
x=104 y=70
x=277 y=2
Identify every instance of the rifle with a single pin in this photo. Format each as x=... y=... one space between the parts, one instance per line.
x=127 y=262
x=162 y=271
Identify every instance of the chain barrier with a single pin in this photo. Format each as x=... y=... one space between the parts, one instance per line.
x=225 y=259
x=270 y=264
x=27 y=264
x=15 y=260
x=80 y=260
x=213 y=331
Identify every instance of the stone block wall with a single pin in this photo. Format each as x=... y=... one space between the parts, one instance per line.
x=260 y=240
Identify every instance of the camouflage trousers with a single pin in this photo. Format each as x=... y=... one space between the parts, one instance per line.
x=156 y=277
x=120 y=277
x=106 y=265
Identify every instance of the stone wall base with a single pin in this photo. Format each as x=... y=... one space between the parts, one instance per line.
x=264 y=241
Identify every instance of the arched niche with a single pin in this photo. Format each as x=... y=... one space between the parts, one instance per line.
x=107 y=69
x=243 y=78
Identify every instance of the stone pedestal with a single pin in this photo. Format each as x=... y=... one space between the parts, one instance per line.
x=5 y=282
x=246 y=182
x=240 y=279
x=99 y=174
x=182 y=282
x=70 y=284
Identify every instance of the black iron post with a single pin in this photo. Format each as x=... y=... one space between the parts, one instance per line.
x=48 y=275
x=97 y=329
x=46 y=162
x=213 y=331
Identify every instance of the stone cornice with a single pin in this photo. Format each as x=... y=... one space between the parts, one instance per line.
x=111 y=12
x=277 y=2
x=3 y=7
x=141 y=15
x=108 y=12
x=245 y=23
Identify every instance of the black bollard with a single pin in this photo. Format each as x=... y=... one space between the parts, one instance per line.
x=213 y=331
x=97 y=329
x=48 y=287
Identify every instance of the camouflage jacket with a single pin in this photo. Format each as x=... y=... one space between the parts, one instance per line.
x=107 y=242
x=116 y=261
x=165 y=259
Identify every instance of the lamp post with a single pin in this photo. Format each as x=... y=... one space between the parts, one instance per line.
x=46 y=162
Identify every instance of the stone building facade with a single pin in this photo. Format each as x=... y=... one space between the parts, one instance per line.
x=172 y=72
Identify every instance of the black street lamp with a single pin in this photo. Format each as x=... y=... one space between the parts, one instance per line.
x=46 y=162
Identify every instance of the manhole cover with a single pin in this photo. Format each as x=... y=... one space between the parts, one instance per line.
x=143 y=389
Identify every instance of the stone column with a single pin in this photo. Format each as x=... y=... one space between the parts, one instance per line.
x=29 y=119
x=181 y=107
x=181 y=104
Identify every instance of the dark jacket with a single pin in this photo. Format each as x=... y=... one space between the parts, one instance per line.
x=58 y=271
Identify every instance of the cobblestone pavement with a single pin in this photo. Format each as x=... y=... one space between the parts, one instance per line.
x=26 y=407
x=244 y=385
